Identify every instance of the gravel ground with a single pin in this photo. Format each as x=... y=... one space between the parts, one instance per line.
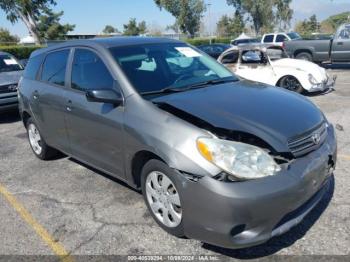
x=91 y=214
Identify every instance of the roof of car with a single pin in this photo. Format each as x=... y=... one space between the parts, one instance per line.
x=257 y=46
x=108 y=42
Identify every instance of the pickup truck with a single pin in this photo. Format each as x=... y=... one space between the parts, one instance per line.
x=335 y=50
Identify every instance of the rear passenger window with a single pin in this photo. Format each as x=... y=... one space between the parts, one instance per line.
x=280 y=38
x=54 y=68
x=89 y=71
x=268 y=39
x=32 y=67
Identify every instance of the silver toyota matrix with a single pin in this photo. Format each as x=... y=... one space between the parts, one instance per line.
x=220 y=159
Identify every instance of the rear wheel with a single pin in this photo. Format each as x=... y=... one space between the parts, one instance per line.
x=291 y=83
x=162 y=197
x=37 y=142
x=304 y=56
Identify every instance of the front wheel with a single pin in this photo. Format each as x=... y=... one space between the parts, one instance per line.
x=291 y=83
x=162 y=196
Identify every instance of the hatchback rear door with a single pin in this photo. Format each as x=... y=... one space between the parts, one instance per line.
x=47 y=99
x=95 y=130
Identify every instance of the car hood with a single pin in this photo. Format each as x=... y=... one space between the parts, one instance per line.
x=318 y=72
x=270 y=113
x=7 y=78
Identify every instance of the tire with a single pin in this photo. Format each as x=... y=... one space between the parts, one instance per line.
x=37 y=142
x=304 y=56
x=291 y=83
x=161 y=187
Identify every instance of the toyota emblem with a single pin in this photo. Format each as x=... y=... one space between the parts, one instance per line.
x=316 y=138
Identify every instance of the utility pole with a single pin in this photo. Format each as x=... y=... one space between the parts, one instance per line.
x=209 y=20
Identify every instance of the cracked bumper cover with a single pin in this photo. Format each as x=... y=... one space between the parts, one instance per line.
x=260 y=209
x=329 y=84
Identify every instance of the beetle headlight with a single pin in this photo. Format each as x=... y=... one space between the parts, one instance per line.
x=240 y=160
x=312 y=79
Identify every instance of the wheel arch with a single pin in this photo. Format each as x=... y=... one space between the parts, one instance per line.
x=304 y=50
x=25 y=117
x=138 y=162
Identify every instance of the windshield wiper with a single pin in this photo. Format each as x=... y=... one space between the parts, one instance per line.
x=169 y=90
x=166 y=90
x=211 y=82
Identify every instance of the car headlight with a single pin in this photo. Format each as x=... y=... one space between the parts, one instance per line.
x=240 y=160
x=312 y=79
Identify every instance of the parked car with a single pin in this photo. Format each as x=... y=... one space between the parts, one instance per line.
x=214 y=50
x=271 y=65
x=318 y=51
x=279 y=38
x=10 y=73
x=244 y=41
x=225 y=161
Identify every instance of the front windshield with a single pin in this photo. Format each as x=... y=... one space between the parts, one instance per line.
x=294 y=35
x=155 y=67
x=9 y=64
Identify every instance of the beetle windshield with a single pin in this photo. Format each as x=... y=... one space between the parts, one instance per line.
x=9 y=64
x=158 y=67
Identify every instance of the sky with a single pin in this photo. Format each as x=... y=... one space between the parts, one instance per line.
x=90 y=16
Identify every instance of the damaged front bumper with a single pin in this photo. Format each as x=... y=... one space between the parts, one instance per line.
x=324 y=86
x=243 y=214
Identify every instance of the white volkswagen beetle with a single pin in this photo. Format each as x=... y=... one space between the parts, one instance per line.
x=271 y=65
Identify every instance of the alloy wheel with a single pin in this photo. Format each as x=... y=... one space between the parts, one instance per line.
x=34 y=139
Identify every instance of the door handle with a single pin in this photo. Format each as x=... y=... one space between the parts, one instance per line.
x=340 y=43
x=36 y=95
x=68 y=107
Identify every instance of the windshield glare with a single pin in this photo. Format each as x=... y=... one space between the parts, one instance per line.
x=294 y=35
x=9 y=64
x=152 y=68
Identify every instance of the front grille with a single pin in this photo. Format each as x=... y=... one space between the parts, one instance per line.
x=8 y=88
x=309 y=141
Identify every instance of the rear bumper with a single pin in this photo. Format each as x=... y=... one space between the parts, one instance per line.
x=8 y=101
x=238 y=215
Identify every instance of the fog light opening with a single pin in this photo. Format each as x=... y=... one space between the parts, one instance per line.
x=237 y=230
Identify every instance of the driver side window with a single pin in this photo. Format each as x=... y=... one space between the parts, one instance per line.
x=89 y=72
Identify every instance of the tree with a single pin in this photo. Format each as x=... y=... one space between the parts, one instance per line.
x=188 y=13
x=264 y=13
x=6 y=37
x=308 y=26
x=49 y=27
x=110 y=30
x=228 y=26
x=27 y=11
x=314 y=25
x=333 y=22
x=134 y=28
x=283 y=14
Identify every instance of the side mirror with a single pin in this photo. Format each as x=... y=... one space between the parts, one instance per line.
x=105 y=96
x=23 y=62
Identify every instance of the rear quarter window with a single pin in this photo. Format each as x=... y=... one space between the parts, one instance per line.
x=32 y=67
x=54 y=68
